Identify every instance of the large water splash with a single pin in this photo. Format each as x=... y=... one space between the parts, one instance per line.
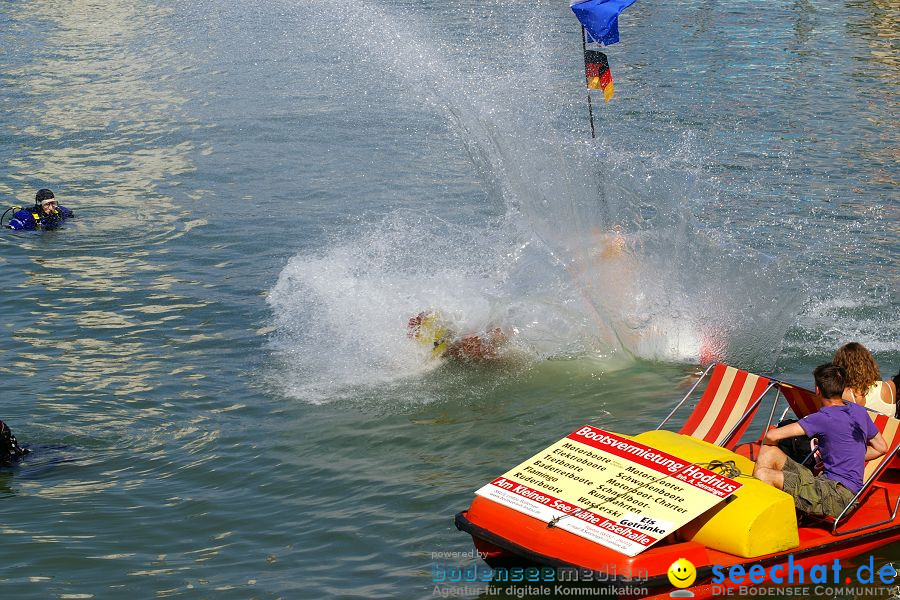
x=595 y=249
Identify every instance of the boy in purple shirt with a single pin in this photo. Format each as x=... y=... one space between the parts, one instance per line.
x=847 y=439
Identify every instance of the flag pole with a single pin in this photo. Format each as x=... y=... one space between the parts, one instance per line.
x=590 y=106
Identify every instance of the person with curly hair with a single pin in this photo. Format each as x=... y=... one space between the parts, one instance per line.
x=864 y=384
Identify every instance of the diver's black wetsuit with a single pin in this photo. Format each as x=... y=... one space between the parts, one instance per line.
x=10 y=450
x=34 y=217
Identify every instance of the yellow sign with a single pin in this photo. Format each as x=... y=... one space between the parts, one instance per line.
x=617 y=492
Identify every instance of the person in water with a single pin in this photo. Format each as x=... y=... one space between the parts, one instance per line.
x=428 y=328
x=10 y=451
x=45 y=214
x=864 y=384
x=847 y=439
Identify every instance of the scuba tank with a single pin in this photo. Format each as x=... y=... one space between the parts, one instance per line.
x=41 y=219
x=11 y=209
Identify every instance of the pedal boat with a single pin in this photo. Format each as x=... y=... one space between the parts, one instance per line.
x=757 y=526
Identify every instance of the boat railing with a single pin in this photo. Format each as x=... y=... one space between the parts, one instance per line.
x=733 y=394
x=686 y=396
x=802 y=402
x=750 y=412
x=890 y=430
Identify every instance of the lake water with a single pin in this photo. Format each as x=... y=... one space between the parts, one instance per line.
x=211 y=361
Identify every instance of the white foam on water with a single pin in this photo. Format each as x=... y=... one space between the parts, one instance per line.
x=341 y=315
x=595 y=252
x=850 y=316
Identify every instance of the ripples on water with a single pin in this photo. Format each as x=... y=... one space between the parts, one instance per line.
x=211 y=361
x=106 y=332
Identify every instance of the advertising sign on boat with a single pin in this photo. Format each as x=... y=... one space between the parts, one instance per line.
x=610 y=489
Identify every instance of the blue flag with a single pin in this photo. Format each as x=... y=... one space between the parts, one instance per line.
x=601 y=18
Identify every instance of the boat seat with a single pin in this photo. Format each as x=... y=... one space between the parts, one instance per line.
x=890 y=431
x=804 y=402
x=874 y=472
x=727 y=406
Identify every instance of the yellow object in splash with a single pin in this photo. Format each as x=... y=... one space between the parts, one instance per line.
x=432 y=332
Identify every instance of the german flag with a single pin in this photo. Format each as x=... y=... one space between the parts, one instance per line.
x=596 y=70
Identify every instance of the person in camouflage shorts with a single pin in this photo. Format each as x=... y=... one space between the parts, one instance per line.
x=847 y=439
x=814 y=494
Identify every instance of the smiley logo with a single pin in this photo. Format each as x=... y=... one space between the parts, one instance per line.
x=682 y=573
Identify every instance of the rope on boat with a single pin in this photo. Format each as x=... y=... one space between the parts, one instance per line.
x=728 y=468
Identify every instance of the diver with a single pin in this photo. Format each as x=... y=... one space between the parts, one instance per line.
x=45 y=214
x=10 y=450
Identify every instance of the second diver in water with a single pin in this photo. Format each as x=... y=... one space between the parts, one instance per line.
x=10 y=450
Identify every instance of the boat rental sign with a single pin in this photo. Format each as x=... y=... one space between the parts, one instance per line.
x=609 y=489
